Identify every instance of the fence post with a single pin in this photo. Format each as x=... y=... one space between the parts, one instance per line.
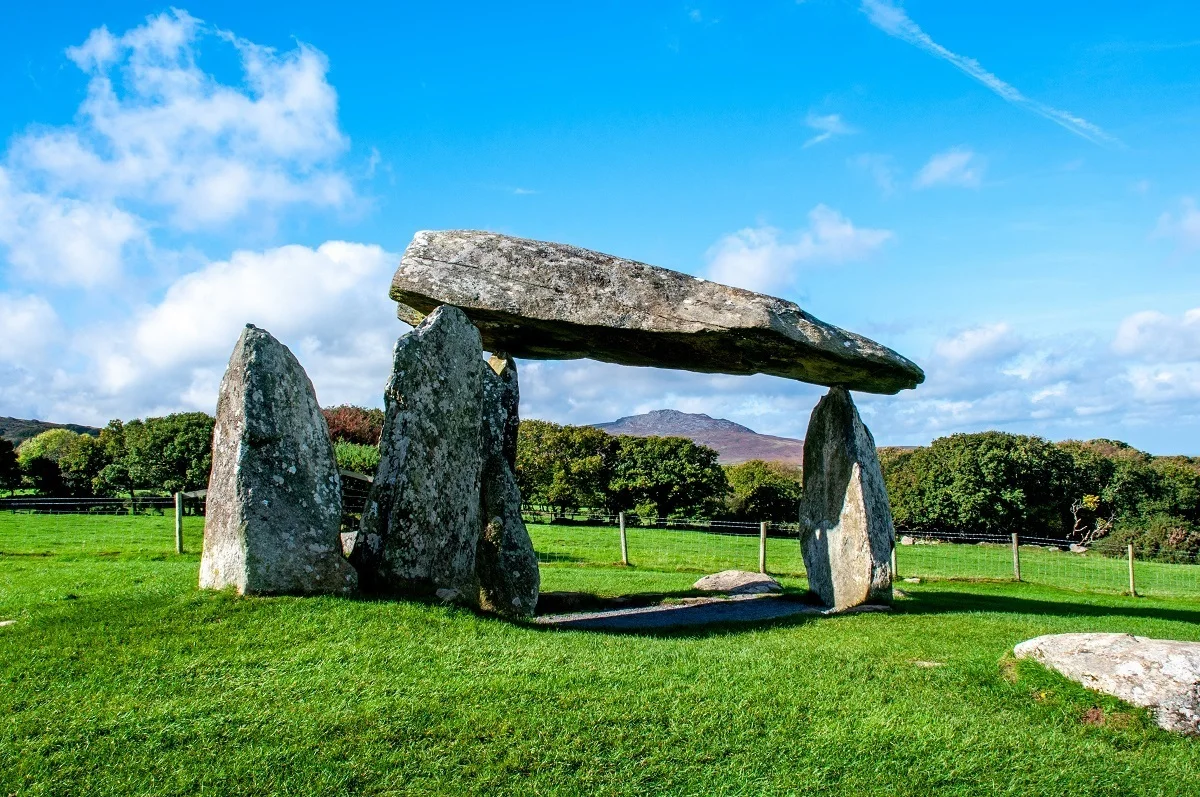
x=762 y=547
x=624 y=541
x=1132 y=583
x=178 y=522
x=895 y=575
x=1016 y=559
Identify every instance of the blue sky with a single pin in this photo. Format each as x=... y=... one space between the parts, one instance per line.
x=1004 y=192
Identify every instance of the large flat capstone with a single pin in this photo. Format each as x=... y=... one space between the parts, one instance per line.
x=551 y=301
x=274 y=494
x=1162 y=675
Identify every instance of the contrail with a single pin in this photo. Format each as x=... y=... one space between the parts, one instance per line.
x=893 y=21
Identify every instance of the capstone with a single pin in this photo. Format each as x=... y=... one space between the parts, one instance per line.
x=541 y=300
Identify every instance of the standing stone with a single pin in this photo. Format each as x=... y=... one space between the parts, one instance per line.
x=509 y=399
x=444 y=514
x=274 y=495
x=506 y=564
x=845 y=519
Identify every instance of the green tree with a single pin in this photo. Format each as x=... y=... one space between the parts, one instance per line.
x=10 y=468
x=667 y=477
x=764 y=491
x=50 y=444
x=564 y=467
x=992 y=482
x=39 y=459
x=81 y=464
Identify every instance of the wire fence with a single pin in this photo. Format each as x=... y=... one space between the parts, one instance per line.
x=146 y=524
x=703 y=546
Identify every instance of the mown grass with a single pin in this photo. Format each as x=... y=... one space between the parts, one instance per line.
x=119 y=677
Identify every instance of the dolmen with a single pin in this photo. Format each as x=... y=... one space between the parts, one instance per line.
x=443 y=517
x=542 y=300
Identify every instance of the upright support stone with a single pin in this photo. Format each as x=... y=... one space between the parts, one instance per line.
x=846 y=523
x=444 y=514
x=505 y=563
x=274 y=494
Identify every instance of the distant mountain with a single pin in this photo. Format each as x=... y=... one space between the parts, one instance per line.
x=19 y=430
x=733 y=442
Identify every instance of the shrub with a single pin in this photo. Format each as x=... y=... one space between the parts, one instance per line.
x=764 y=491
x=1158 y=538
x=350 y=424
x=357 y=457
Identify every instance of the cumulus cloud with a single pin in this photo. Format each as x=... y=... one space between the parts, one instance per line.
x=954 y=167
x=765 y=258
x=828 y=126
x=1183 y=228
x=28 y=324
x=327 y=303
x=155 y=127
x=892 y=20
x=63 y=240
x=156 y=135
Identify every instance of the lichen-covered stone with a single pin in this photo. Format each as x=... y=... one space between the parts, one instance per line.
x=1162 y=675
x=274 y=500
x=505 y=563
x=846 y=527
x=508 y=400
x=541 y=300
x=443 y=517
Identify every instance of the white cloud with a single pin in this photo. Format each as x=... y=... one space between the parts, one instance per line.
x=28 y=325
x=881 y=169
x=828 y=126
x=156 y=130
x=958 y=167
x=765 y=258
x=892 y=20
x=1156 y=337
x=1183 y=228
x=63 y=240
x=984 y=342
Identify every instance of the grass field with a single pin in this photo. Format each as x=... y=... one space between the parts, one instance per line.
x=119 y=677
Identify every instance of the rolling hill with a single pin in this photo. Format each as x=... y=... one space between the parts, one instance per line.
x=19 y=430
x=733 y=442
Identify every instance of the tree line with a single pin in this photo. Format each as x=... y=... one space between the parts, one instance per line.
x=568 y=469
x=1100 y=492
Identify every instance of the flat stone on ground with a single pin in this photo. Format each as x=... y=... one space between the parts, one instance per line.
x=549 y=301
x=738 y=582
x=1162 y=675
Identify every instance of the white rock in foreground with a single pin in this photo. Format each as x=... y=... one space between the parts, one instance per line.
x=1162 y=675
x=738 y=582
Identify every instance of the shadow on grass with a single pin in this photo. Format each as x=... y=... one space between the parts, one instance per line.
x=943 y=602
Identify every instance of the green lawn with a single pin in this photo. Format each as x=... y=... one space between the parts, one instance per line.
x=119 y=677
